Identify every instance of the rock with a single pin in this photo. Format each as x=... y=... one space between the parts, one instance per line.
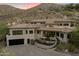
x=66 y=50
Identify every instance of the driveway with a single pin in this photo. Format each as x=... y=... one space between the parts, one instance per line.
x=31 y=50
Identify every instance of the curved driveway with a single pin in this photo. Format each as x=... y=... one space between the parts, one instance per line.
x=31 y=50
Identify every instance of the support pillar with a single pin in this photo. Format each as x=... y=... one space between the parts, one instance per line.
x=41 y=33
x=7 y=42
x=65 y=38
x=10 y=32
x=69 y=24
x=24 y=32
x=55 y=34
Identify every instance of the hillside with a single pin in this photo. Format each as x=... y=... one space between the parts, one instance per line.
x=43 y=11
x=7 y=12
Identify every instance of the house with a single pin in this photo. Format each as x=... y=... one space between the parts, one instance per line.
x=27 y=33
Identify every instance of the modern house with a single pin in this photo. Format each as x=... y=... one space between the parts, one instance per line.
x=27 y=33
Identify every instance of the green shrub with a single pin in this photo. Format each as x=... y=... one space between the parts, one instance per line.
x=61 y=46
x=71 y=48
x=3 y=31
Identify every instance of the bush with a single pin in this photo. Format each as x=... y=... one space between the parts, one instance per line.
x=61 y=46
x=71 y=48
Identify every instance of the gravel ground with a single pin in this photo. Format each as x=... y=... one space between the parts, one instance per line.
x=31 y=50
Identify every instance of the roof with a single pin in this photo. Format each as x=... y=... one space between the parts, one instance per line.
x=40 y=27
x=49 y=21
x=66 y=21
x=56 y=29
x=38 y=20
x=25 y=26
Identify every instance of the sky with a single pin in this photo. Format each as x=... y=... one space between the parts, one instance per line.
x=24 y=5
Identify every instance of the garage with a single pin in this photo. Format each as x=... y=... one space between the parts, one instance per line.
x=16 y=42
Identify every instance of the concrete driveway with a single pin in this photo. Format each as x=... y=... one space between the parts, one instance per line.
x=30 y=50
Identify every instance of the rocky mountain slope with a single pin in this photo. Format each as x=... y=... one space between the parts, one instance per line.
x=43 y=11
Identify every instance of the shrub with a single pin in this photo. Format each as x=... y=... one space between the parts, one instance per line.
x=3 y=31
x=61 y=46
x=71 y=48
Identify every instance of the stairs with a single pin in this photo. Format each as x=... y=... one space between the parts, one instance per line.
x=46 y=44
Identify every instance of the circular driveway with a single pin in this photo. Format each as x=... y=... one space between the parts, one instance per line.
x=32 y=50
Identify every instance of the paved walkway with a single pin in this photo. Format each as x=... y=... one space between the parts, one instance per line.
x=30 y=50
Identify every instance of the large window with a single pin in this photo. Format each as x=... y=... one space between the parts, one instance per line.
x=42 y=22
x=17 y=32
x=68 y=36
x=30 y=31
x=62 y=35
x=57 y=34
x=60 y=24
x=72 y=24
x=66 y=24
x=38 y=32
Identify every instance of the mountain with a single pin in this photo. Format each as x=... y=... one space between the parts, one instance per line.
x=42 y=11
x=52 y=11
x=7 y=11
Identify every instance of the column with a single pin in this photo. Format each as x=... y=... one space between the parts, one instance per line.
x=65 y=38
x=59 y=34
x=69 y=24
x=55 y=34
x=10 y=32
x=42 y=33
x=24 y=31
x=34 y=33
x=7 y=42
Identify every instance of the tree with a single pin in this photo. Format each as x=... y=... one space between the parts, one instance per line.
x=75 y=38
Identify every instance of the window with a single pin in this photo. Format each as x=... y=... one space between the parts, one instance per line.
x=30 y=31
x=17 y=32
x=35 y=23
x=72 y=24
x=60 y=24
x=44 y=32
x=32 y=23
x=57 y=34
x=65 y=24
x=42 y=22
x=68 y=36
x=26 y=32
x=38 y=32
x=62 y=35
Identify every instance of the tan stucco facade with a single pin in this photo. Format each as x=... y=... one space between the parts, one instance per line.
x=61 y=29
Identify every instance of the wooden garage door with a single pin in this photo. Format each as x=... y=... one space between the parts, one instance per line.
x=16 y=42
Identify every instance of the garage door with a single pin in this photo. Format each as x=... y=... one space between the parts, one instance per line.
x=16 y=42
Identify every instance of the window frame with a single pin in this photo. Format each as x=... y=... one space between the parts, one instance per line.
x=31 y=31
x=17 y=32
